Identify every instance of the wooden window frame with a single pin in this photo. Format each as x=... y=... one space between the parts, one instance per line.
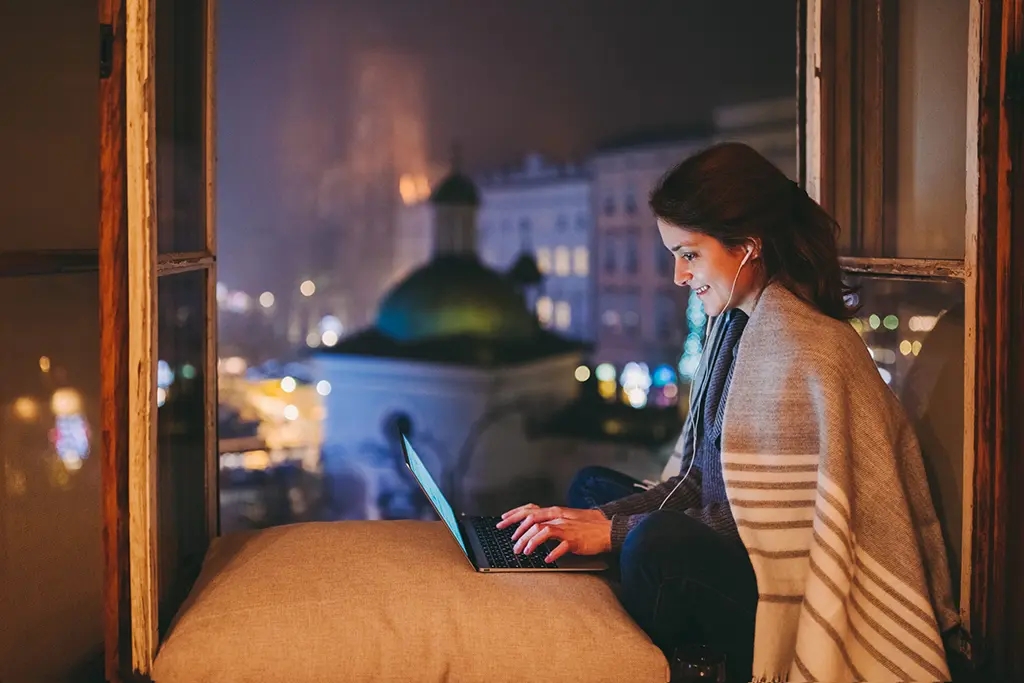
x=130 y=268
x=830 y=117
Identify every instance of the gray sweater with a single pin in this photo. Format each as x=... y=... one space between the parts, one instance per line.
x=702 y=494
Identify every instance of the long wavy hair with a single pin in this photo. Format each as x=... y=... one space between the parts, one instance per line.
x=732 y=193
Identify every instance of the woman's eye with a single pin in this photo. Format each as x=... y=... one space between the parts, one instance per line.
x=687 y=255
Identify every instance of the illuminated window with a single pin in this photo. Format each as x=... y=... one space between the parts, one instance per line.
x=562 y=261
x=581 y=261
x=545 y=308
x=543 y=259
x=563 y=315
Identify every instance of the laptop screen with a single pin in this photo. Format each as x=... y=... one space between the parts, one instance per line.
x=433 y=492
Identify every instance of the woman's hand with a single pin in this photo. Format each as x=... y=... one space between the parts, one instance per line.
x=583 y=532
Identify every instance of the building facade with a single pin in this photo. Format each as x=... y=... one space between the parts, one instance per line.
x=641 y=313
x=544 y=210
x=769 y=126
x=642 y=317
x=457 y=361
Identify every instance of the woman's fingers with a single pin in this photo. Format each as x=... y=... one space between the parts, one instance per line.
x=515 y=515
x=537 y=539
x=528 y=516
x=524 y=540
x=524 y=526
x=514 y=510
x=559 y=551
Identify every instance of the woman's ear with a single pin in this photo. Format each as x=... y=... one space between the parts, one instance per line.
x=754 y=248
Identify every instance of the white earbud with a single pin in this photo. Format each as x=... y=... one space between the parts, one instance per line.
x=732 y=290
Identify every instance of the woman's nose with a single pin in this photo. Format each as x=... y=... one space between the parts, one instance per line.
x=682 y=273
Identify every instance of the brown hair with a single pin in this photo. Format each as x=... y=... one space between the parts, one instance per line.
x=732 y=193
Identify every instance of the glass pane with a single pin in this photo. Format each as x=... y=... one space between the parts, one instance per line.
x=180 y=126
x=181 y=421
x=51 y=544
x=932 y=128
x=915 y=331
x=49 y=147
x=924 y=142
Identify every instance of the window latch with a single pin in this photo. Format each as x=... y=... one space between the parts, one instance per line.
x=106 y=50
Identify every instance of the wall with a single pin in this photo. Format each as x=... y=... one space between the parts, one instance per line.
x=444 y=403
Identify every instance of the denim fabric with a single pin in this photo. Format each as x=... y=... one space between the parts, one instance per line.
x=594 y=486
x=681 y=581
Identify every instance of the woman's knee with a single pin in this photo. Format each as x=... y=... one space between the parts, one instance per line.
x=655 y=537
x=581 y=488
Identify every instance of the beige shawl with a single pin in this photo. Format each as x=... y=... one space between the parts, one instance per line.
x=828 y=489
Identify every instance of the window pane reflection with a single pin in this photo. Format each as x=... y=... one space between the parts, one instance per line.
x=51 y=562
x=181 y=420
x=180 y=126
x=915 y=331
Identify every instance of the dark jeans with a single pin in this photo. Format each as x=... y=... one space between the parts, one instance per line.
x=681 y=581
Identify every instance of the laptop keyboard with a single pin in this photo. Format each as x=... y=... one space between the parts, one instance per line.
x=497 y=544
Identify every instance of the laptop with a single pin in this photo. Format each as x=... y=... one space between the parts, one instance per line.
x=487 y=548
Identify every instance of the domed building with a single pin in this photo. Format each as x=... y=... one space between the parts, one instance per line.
x=455 y=295
x=456 y=356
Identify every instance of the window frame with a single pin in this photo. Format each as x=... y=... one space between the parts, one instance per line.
x=130 y=270
x=827 y=133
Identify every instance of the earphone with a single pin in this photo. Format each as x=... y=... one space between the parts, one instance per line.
x=695 y=421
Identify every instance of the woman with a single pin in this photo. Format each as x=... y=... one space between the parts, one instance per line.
x=799 y=538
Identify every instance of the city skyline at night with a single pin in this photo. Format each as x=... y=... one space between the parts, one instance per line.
x=295 y=102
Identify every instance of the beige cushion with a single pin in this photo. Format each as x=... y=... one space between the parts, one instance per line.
x=393 y=601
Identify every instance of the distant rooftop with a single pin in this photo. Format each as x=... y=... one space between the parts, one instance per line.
x=534 y=170
x=456 y=189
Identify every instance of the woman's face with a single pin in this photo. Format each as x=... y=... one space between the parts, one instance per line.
x=709 y=268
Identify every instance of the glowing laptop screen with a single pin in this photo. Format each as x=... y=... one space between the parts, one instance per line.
x=433 y=492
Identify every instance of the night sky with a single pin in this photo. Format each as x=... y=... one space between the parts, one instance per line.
x=501 y=77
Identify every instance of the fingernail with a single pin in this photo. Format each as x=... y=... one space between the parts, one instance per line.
x=548 y=559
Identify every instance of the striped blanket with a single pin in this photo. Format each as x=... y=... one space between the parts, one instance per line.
x=827 y=486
